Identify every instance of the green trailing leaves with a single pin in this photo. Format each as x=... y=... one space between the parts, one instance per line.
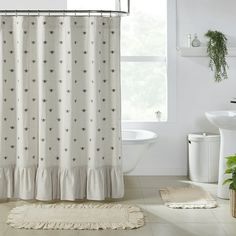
x=231 y=170
x=234 y=178
x=228 y=171
x=217 y=51
x=231 y=186
x=228 y=181
x=231 y=161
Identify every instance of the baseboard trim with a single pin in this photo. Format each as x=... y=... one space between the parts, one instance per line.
x=159 y=172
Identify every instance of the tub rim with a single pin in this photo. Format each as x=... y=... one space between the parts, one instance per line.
x=140 y=140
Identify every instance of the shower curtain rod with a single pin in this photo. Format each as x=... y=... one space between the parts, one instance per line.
x=70 y=12
x=51 y=12
x=64 y=12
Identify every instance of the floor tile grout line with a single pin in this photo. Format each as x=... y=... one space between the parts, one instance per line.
x=151 y=198
x=212 y=212
x=224 y=229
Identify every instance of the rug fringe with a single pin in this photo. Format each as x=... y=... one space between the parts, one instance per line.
x=191 y=206
x=208 y=203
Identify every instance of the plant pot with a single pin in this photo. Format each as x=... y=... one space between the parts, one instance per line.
x=233 y=202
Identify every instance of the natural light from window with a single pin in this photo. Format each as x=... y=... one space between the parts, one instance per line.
x=143 y=56
x=143 y=67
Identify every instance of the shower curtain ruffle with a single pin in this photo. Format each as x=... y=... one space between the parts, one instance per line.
x=54 y=183
x=60 y=113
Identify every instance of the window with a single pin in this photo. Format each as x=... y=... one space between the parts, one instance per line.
x=144 y=61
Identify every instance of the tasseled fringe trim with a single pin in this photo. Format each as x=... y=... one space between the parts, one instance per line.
x=185 y=205
x=191 y=206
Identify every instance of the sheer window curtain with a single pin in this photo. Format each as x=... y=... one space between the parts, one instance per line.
x=60 y=108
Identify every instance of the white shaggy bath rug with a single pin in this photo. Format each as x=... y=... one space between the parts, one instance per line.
x=76 y=216
x=187 y=198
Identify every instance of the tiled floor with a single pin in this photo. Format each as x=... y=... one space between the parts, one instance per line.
x=160 y=220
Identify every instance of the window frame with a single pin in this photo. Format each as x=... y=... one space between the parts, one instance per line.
x=170 y=60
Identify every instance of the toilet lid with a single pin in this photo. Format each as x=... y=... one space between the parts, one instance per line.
x=204 y=137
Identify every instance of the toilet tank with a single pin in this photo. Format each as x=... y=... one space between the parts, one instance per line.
x=203 y=157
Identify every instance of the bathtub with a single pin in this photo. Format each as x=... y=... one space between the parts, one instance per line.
x=135 y=144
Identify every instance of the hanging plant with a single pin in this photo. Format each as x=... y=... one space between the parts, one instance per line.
x=217 y=51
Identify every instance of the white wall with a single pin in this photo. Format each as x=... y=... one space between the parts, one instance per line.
x=32 y=4
x=196 y=91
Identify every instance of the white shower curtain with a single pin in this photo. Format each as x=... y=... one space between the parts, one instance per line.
x=60 y=108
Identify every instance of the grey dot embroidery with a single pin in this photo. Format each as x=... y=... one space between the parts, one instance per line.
x=76 y=82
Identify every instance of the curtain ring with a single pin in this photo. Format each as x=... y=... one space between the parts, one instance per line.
x=110 y=14
x=28 y=12
x=16 y=13
x=38 y=12
x=89 y=13
x=5 y=12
